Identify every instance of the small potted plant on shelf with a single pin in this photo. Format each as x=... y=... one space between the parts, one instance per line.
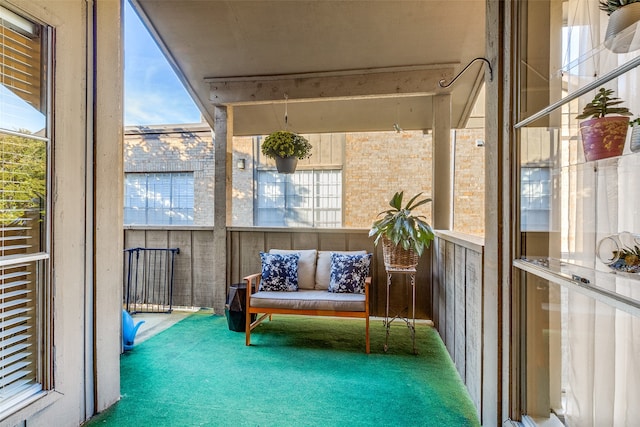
x=286 y=148
x=622 y=14
x=404 y=235
x=604 y=136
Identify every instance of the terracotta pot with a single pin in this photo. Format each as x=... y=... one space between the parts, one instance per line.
x=618 y=40
x=604 y=137
x=286 y=164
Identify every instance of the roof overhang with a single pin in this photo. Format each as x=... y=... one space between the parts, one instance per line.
x=333 y=66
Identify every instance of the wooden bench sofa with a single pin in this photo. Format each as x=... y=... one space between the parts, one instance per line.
x=312 y=297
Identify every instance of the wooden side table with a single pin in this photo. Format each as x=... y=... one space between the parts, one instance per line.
x=411 y=322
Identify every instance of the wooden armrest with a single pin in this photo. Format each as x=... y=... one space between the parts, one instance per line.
x=253 y=281
x=367 y=285
x=252 y=278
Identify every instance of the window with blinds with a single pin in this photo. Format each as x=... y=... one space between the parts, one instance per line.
x=24 y=252
x=158 y=198
x=307 y=198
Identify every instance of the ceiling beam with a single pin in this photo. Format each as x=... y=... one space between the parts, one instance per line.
x=380 y=82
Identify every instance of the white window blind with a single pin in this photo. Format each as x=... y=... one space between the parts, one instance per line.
x=21 y=74
x=22 y=221
x=159 y=198
x=307 y=198
x=24 y=257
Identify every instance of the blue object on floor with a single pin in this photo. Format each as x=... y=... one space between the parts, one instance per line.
x=129 y=330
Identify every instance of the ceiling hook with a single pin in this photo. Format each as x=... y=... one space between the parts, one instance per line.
x=442 y=83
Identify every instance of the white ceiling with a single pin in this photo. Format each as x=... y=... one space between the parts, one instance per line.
x=343 y=65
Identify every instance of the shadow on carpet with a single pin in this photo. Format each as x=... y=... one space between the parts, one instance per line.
x=299 y=371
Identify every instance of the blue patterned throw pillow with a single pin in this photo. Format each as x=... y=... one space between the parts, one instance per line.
x=279 y=272
x=348 y=272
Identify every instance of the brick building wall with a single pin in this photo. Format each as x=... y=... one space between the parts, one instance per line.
x=468 y=196
x=242 y=211
x=175 y=149
x=375 y=166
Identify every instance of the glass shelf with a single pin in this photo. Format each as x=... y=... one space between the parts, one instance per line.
x=618 y=289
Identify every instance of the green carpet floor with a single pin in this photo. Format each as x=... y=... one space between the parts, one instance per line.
x=300 y=371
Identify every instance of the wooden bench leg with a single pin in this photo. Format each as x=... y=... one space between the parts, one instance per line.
x=368 y=348
x=247 y=328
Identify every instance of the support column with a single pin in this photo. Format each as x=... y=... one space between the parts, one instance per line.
x=442 y=159
x=222 y=196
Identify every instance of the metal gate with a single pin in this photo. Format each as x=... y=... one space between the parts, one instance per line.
x=148 y=284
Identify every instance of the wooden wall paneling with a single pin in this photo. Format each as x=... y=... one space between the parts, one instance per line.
x=332 y=241
x=450 y=262
x=459 y=309
x=202 y=255
x=435 y=282
x=359 y=241
x=379 y=283
x=442 y=303
x=251 y=244
x=157 y=239
x=423 y=286
x=474 y=322
x=233 y=256
x=134 y=238
x=304 y=240
x=183 y=268
x=277 y=240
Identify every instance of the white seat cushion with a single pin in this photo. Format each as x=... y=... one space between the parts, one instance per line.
x=323 y=267
x=306 y=265
x=309 y=300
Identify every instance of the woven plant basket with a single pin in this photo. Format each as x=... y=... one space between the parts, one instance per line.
x=397 y=257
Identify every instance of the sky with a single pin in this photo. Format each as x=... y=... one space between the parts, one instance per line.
x=153 y=94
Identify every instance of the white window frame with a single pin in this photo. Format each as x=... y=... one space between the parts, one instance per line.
x=25 y=275
x=168 y=209
x=282 y=198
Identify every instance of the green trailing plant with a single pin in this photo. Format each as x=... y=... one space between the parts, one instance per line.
x=286 y=144
x=401 y=226
x=610 y=6
x=635 y=122
x=603 y=104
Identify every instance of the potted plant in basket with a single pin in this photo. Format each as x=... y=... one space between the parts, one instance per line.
x=603 y=136
x=622 y=14
x=286 y=148
x=404 y=235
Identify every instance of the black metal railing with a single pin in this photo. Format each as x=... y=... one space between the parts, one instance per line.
x=148 y=280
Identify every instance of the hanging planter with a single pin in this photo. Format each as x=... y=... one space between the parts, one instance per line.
x=603 y=136
x=622 y=15
x=286 y=164
x=286 y=148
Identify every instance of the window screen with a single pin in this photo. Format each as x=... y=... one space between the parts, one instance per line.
x=158 y=199
x=307 y=198
x=535 y=198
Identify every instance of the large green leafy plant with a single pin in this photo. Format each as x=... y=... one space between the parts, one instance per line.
x=603 y=104
x=401 y=226
x=286 y=144
x=611 y=6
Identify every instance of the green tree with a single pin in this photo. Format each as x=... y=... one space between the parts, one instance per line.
x=23 y=178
